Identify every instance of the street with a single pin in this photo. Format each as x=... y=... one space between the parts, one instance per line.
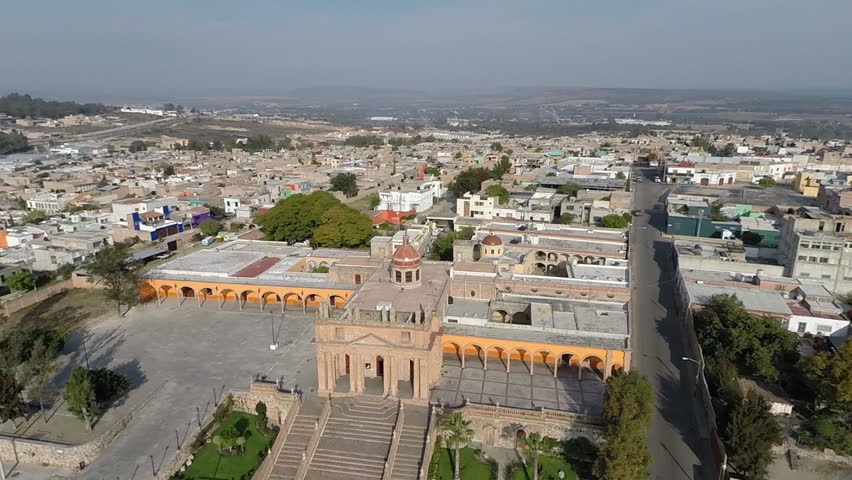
x=678 y=443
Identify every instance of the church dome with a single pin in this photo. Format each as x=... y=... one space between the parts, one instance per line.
x=492 y=240
x=406 y=255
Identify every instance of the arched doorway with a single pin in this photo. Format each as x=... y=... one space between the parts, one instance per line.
x=453 y=354
x=380 y=366
x=521 y=439
x=594 y=365
x=290 y=300
x=187 y=292
x=336 y=301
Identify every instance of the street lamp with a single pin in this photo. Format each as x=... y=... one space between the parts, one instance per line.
x=698 y=372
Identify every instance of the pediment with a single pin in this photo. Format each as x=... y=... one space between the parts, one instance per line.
x=371 y=340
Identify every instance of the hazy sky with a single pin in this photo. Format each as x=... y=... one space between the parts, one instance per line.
x=199 y=47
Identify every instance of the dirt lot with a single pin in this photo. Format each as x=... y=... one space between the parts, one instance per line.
x=222 y=129
x=65 y=312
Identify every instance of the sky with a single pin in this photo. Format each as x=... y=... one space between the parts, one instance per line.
x=261 y=47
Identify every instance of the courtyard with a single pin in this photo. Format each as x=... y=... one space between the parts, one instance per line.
x=182 y=360
x=570 y=390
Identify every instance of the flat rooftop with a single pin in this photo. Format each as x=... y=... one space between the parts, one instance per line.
x=379 y=290
x=254 y=262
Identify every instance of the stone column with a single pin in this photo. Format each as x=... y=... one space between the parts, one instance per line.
x=322 y=373
x=394 y=381
x=386 y=377
x=532 y=362
x=555 y=365
x=607 y=364
x=626 y=365
x=353 y=373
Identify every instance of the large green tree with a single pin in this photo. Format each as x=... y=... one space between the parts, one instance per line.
x=35 y=216
x=570 y=189
x=535 y=446
x=628 y=404
x=756 y=344
x=343 y=227
x=457 y=434
x=10 y=396
x=22 y=106
x=830 y=374
x=40 y=368
x=498 y=191
x=346 y=183
x=21 y=281
x=80 y=396
x=614 y=221
x=12 y=142
x=442 y=248
x=469 y=180
x=210 y=227
x=113 y=268
x=748 y=436
x=299 y=218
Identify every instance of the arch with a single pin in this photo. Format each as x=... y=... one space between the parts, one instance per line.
x=453 y=348
x=477 y=251
x=380 y=366
x=551 y=268
x=226 y=293
x=540 y=268
x=547 y=358
x=552 y=257
x=207 y=292
x=164 y=291
x=564 y=362
x=312 y=265
x=721 y=181
x=616 y=369
x=540 y=255
x=187 y=292
x=520 y=318
x=730 y=180
x=479 y=352
x=291 y=299
x=595 y=364
x=565 y=257
x=336 y=301
x=499 y=316
x=500 y=351
x=522 y=354
x=521 y=439
x=270 y=297
x=313 y=300
x=245 y=295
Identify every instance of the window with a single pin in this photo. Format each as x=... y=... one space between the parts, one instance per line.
x=806 y=245
x=452 y=320
x=357 y=279
x=417 y=275
x=804 y=274
x=406 y=337
x=823 y=328
x=826 y=276
x=826 y=246
x=398 y=276
x=802 y=257
x=823 y=260
x=338 y=333
x=803 y=327
x=812 y=259
x=408 y=277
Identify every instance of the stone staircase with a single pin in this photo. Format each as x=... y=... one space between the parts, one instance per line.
x=412 y=440
x=304 y=427
x=356 y=440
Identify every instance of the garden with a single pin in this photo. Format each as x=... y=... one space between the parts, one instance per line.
x=231 y=447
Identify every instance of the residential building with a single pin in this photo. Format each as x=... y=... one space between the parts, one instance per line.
x=49 y=202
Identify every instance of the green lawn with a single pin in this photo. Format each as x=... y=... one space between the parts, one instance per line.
x=208 y=464
x=471 y=467
x=550 y=467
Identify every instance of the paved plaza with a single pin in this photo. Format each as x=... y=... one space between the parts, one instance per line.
x=519 y=389
x=183 y=360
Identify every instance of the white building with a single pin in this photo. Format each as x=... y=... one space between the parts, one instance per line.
x=49 y=202
x=414 y=198
x=122 y=208
x=477 y=206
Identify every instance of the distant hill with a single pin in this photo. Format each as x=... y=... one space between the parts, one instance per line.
x=22 y=106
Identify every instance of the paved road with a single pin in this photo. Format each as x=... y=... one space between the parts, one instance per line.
x=678 y=444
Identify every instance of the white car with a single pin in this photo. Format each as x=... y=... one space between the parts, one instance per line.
x=657 y=180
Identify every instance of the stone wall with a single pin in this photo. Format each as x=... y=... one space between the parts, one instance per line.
x=36 y=296
x=499 y=426
x=63 y=455
x=278 y=404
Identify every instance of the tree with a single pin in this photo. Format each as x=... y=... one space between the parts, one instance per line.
x=80 y=396
x=566 y=218
x=65 y=270
x=496 y=147
x=363 y=141
x=570 y=189
x=21 y=203
x=748 y=436
x=21 y=281
x=137 y=146
x=12 y=142
x=536 y=445
x=503 y=167
x=457 y=434
x=469 y=180
x=301 y=217
x=108 y=385
x=620 y=175
x=830 y=375
x=346 y=183
x=210 y=227
x=498 y=191
x=219 y=442
x=442 y=249
x=343 y=227
x=168 y=169
x=433 y=171
x=169 y=107
x=755 y=344
x=260 y=409
x=628 y=404
x=113 y=268
x=614 y=221
x=35 y=216
x=373 y=201
x=40 y=368
x=240 y=442
x=751 y=238
x=10 y=396
x=23 y=106
x=766 y=182
x=215 y=211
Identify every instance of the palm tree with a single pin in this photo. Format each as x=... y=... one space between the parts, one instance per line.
x=219 y=442
x=457 y=433
x=536 y=445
